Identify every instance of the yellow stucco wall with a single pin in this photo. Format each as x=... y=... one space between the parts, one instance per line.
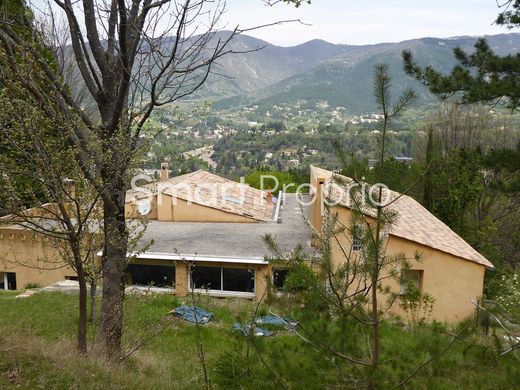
x=263 y=277
x=131 y=209
x=32 y=257
x=181 y=211
x=451 y=280
x=182 y=287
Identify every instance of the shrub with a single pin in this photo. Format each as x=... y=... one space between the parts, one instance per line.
x=509 y=296
x=299 y=278
x=31 y=285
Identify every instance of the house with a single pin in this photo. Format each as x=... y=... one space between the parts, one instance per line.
x=205 y=234
x=220 y=259
x=198 y=197
x=29 y=258
x=449 y=269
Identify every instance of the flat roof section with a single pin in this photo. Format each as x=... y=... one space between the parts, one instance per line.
x=229 y=240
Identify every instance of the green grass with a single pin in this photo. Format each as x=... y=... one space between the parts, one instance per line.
x=37 y=343
x=37 y=350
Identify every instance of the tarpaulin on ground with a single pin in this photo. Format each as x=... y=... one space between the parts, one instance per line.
x=246 y=330
x=193 y=314
x=276 y=321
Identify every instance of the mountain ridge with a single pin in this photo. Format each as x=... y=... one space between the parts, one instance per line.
x=319 y=70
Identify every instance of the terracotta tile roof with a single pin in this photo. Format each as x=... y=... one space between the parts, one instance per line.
x=413 y=221
x=214 y=191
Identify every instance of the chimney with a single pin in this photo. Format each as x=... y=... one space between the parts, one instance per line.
x=69 y=185
x=165 y=173
x=269 y=196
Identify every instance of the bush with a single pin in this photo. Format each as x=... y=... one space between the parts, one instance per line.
x=300 y=278
x=31 y=285
x=509 y=296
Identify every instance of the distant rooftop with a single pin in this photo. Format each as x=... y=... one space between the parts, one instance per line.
x=214 y=191
x=228 y=240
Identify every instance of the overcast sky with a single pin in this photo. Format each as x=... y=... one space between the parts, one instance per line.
x=367 y=21
x=359 y=22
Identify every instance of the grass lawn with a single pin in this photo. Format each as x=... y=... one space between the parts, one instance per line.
x=37 y=343
x=37 y=349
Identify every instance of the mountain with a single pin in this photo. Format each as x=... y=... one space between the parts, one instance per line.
x=262 y=64
x=265 y=74
x=318 y=70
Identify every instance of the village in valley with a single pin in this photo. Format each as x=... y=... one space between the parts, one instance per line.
x=188 y=204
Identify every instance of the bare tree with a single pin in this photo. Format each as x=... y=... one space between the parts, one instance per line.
x=132 y=56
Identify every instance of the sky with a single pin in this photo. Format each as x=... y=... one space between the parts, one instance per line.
x=358 y=22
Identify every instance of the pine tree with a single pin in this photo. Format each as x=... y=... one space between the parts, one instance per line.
x=482 y=76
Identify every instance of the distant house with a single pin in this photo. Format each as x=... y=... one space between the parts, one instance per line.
x=450 y=270
x=373 y=162
x=404 y=160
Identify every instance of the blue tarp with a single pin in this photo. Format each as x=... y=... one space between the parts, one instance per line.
x=276 y=321
x=246 y=329
x=193 y=314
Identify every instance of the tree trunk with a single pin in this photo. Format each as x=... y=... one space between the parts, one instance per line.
x=93 y=289
x=114 y=263
x=82 y=324
x=375 y=328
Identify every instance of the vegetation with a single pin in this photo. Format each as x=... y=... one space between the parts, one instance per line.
x=462 y=164
x=37 y=337
x=276 y=180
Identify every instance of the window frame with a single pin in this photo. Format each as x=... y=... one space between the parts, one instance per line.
x=222 y=292
x=356 y=243
x=419 y=284
x=145 y=268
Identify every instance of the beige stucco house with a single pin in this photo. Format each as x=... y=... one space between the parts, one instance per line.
x=28 y=258
x=199 y=220
x=449 y=269
x=215 y=228
x=198 y=197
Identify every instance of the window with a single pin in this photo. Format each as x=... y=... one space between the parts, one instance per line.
x=412 y=280
x=223 y=279
x=152 y=275
x=208 y=278
x=279 y=276
x=8 y=281
x=238 y=279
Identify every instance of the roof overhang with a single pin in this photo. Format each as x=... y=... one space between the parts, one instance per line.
x=195 y=258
